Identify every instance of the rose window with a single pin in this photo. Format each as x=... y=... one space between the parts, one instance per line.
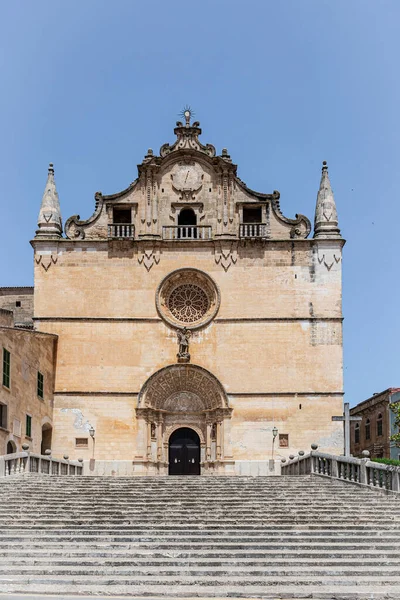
x=187 y=297
x=188 y=303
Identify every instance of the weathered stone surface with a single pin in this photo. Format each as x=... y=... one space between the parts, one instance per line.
x=270 y=332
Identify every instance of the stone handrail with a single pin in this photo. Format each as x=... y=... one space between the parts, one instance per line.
x=121 y=230
x=20 y=463
x=187 y=232
x=361 y=471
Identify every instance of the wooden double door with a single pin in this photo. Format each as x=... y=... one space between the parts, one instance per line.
x=184 y=452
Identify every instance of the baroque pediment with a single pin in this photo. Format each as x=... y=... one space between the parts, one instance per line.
x=188 y=172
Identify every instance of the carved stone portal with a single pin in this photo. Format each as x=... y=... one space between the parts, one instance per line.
x=184 y=396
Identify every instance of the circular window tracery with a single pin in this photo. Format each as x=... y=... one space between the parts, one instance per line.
x=187 y=297
x=188 y=303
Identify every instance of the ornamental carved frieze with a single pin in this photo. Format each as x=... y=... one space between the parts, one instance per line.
x=46 y=260
x=226 y=253
x=148 y=255
x=183 y=388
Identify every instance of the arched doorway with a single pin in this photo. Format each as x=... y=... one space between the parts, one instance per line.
x=187 y=222
x=11 y=447
x=47 y=431
x=185 y=398
x=184 y=452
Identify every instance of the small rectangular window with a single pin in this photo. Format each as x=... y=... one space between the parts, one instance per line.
x=18 y=303
x=6 y=368
x=283 y=440
x=357 y=434
x=252 y=214
x=40 y=380
x=28 y=428
x=81 y=442
x=122 y=215
x=3 y=416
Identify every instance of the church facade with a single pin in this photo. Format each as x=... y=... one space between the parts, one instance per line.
x=199 y=329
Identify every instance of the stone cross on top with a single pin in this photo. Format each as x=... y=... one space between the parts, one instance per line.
x=346 y=418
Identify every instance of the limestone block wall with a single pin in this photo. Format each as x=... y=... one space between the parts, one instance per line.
x=20 y=301
x=275 y=344
x=30 y=352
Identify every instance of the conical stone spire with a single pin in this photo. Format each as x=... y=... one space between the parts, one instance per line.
x=49 y=220
x=326 y=218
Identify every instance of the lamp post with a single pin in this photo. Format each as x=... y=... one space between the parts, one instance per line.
x=274 y=434
x=91 y=433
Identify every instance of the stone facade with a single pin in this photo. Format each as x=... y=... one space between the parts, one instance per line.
x=20 y=301
x=29 y=353
x=189 y=300
x=377 y=425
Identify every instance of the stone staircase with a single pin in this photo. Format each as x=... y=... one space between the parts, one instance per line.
x=185 y=537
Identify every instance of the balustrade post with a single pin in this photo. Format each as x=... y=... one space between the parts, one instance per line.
x=396 y=479
x=334 y=468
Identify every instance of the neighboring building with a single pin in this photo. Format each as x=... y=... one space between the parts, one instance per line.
x=26 y=394
x=193 y=318
x=377 y=425
x=20 y=301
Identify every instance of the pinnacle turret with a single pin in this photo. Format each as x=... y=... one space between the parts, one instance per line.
x=49 y=219
x=326 y=218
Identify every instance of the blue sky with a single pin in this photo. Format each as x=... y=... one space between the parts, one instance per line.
x=91 y=84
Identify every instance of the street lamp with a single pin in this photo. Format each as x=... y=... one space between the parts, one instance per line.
x=91 y=433
x=274 y=434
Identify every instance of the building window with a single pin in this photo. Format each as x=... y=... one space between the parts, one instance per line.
x=379 y=425
x=252 y=214
x=81 y=443
x=28 y=426
x=18 y=303
x=40 y=379
x=6 y=368
x=3 y=416
x=283 y=440
x=367 y=429
x=357 y=434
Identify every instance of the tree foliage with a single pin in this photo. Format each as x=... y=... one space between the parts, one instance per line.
x=395 y=408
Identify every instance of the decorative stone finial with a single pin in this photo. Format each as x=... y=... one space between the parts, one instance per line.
x=314 y=446
x=326 y=218
x=187 y=136
x=49 y=220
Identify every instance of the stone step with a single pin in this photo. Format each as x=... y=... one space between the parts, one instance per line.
x=96 y=582
x=242 y=561
x=192 y=570
x=189 y=592
x=80 y=543
x=45 y=537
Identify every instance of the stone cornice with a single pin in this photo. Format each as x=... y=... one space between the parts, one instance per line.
x=217 y=320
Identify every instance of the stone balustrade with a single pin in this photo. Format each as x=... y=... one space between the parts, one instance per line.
x=121 y=230
x=253 y=230
x=187 y=232
x=20 y=463
x=361 y=471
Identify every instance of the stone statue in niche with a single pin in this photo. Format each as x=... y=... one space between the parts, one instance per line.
x=183 y=341
x=153 y=430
